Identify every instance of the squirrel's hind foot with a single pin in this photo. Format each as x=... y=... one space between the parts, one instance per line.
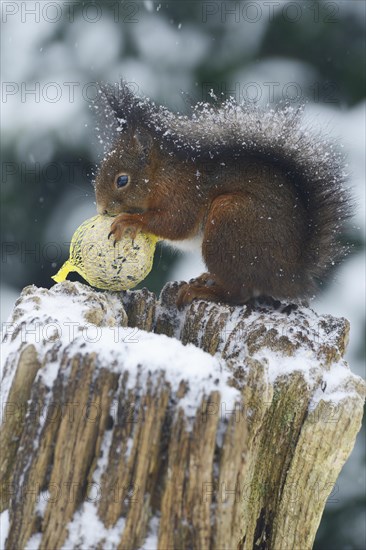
x=207 y=287
x=204 y=287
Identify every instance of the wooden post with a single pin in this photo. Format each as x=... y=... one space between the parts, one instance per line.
x=118 y=433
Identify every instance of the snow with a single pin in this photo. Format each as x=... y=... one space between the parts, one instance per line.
x=4 y=527
x=103 y=459
x=279 y=365
x=151 y=541
x=87 y=529
x=34 y=542
x=336 y=385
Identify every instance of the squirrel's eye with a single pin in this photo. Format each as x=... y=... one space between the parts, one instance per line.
x=121 y=181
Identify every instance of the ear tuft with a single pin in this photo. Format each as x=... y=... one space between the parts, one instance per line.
x=144 y=141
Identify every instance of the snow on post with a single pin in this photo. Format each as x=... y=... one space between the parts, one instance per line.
x=128 y=424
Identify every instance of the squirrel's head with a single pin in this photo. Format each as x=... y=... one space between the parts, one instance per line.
x=126 y=175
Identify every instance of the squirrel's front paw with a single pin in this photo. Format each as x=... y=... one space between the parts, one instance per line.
x=125 y=223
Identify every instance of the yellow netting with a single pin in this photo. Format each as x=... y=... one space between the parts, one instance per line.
x=104 y=266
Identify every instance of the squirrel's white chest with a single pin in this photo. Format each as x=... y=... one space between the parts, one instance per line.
x=187 y=245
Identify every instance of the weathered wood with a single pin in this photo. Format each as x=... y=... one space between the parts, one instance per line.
x=107 y=438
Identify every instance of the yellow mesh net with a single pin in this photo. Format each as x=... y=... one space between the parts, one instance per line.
x=103 y=265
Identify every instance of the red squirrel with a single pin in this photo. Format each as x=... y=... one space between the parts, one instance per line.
x=262 y=197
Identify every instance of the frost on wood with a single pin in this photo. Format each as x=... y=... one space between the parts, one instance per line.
x=128 y=424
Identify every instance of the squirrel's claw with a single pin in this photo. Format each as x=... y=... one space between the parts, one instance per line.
x=109 y=236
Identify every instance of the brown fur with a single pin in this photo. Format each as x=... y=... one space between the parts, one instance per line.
x=268 y=218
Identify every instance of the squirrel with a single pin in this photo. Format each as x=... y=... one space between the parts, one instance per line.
x=264 y=198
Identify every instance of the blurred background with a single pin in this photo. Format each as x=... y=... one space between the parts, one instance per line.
x=52 y=55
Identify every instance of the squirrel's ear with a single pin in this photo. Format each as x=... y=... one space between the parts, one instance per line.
x=143 y=141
